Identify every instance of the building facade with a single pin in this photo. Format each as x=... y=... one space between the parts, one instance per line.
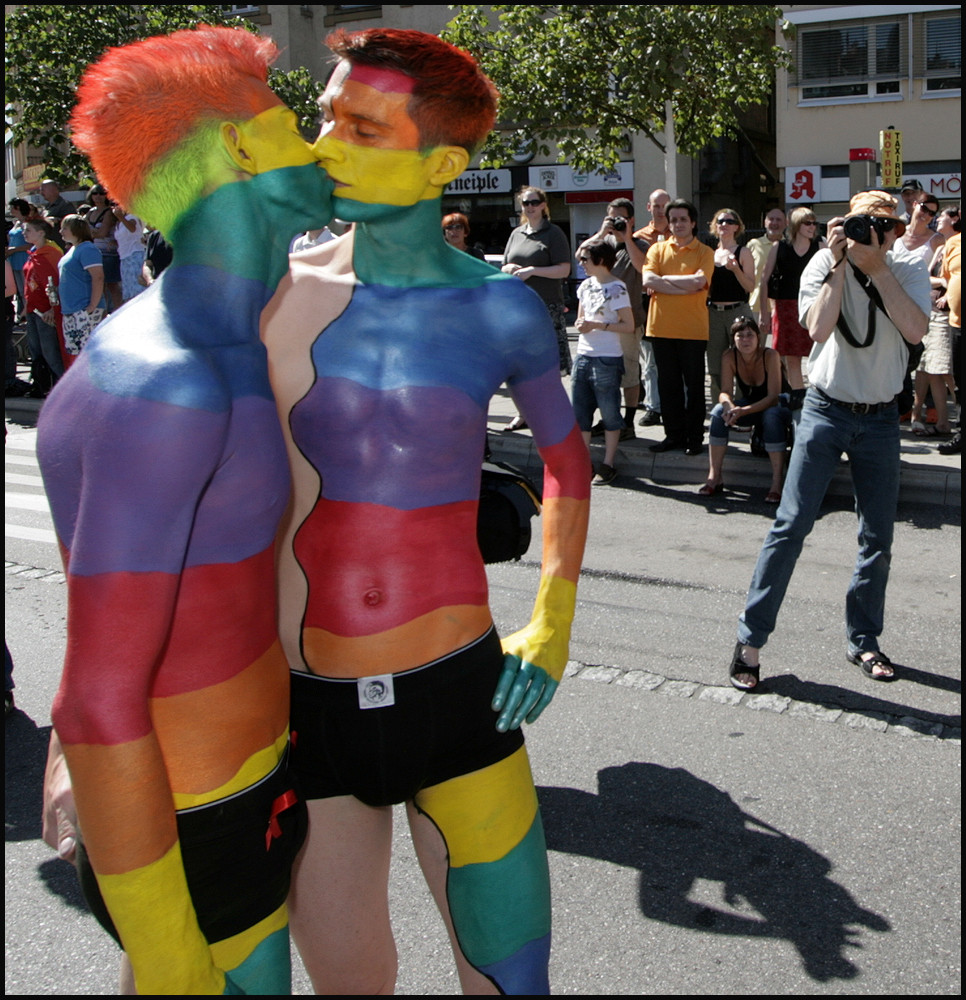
x=861 y=70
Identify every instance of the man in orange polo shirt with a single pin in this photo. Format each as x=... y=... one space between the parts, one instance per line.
x=676 y=276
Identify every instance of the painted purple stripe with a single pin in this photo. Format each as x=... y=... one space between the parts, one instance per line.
x=407 y=448
x=138 y=485
x=545 y=405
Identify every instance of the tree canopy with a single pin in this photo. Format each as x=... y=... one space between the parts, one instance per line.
x=48 y=47
x=586 y=77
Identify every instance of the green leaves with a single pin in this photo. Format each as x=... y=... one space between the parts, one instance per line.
x=586 y=77
x=48 y=47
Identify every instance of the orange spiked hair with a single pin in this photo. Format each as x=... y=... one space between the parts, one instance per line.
x=139 y=102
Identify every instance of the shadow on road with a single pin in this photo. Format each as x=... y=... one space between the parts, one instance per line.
x=25 y=755
x=676 y=829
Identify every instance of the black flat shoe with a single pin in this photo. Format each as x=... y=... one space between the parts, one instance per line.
x=667 y=445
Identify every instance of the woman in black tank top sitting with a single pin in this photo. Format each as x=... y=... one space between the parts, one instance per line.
x=757 y=372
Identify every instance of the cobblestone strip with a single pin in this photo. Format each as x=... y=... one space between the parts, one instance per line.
x=644 y=680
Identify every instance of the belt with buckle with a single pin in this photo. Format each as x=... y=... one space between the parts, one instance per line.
x=860 y=408
x=725 y=308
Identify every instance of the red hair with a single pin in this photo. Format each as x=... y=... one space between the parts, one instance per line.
x=453 y=103
x=139 y=102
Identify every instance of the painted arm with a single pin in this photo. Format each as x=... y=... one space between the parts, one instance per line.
x=535 y=657
x=119 y=623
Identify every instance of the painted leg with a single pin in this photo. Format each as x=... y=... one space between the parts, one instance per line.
x=339 y=903
x=496 y=888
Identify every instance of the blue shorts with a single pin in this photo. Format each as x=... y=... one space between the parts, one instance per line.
x=596 y=385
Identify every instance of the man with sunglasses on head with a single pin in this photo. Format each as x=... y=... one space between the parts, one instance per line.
x=862 y=304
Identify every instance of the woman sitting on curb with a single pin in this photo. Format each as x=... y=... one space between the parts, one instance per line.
x=757 y=371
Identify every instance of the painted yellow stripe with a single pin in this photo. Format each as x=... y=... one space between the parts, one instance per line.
x=153 y=914
x=231 y=952
x=374 y=175
x=252 y=771
x=485 y=814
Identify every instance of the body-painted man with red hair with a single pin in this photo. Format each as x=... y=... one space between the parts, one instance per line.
x=165 y=468
x=384 y=350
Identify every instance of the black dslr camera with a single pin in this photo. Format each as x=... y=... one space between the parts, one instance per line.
x=619 y=225
x=859 y=228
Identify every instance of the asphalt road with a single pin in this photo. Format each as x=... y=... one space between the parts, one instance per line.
x=803 y=841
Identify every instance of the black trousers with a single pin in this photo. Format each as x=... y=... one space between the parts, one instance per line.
x=680 y=382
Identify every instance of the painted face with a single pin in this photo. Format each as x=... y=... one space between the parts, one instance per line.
x=272 y=140
x=369 y=145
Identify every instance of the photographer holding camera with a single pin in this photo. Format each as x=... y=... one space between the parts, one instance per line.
x=862 y=305
x=618 y=228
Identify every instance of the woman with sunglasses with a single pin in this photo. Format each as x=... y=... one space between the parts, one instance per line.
x=919 y=240
x=103 y=222
x=538 y=253
x=731 y=287
x=780 y=282
x=756 y=370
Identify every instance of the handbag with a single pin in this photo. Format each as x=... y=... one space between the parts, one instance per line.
x=508 y=502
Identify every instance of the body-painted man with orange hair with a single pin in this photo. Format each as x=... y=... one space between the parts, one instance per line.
x=165 y=468
x=384 y=349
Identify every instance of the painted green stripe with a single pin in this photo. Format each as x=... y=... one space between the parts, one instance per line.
x=499 y=906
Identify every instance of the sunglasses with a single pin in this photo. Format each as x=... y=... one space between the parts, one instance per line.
x=923 y=207
x=529 y=203
x=810 y=222
x=582 y=258
x=724 y=221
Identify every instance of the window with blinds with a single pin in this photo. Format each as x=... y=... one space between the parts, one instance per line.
x=938 y=52
x=856 y=59
x=842 y=59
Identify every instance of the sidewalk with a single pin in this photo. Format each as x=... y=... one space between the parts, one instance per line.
x=925 y=476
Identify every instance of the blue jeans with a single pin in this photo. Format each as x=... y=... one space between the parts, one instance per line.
x=773 y=423
x=596 y=384
x=871 y=442
x=43 y=341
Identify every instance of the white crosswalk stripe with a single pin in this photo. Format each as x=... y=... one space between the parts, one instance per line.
x=27 y=515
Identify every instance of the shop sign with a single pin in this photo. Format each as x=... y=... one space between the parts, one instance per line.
x=561 y=177
x=480 y=182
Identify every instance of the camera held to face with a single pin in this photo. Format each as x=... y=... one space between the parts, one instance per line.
x=858 y=228
x=617 y=224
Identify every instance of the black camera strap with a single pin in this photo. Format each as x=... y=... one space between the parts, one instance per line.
x=875 y=303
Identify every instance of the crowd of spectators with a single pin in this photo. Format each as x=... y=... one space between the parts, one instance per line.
x=72 y=264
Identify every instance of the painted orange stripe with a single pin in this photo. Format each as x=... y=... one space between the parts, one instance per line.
x=567 y=518
x=419 y=641
x=207 y=735
x=122 y=832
